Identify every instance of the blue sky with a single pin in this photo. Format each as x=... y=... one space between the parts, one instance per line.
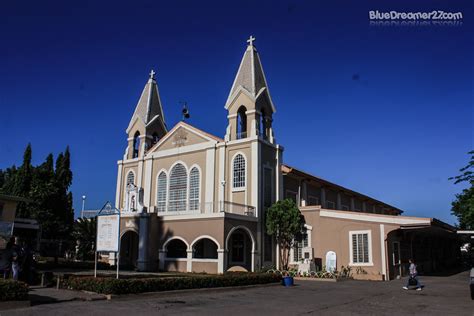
x=383 y=110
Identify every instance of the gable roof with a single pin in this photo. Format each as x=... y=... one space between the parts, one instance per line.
x=190 y=128
x=149 y=106
x=291 y=170
x=250 y=78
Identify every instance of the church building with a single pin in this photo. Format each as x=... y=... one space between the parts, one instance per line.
x=194 y=202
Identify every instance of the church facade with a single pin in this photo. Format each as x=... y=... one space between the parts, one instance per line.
x=195 y=202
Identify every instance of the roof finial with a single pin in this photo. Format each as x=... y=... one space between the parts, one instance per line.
x=250 y=40
x=152 y=74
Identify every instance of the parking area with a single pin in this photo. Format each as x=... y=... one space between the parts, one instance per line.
x=441 y=296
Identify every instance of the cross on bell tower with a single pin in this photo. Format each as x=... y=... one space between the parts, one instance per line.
x=152 y=74
x=251 y=40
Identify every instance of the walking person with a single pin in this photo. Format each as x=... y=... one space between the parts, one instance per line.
x=16 y=259
x=413 y=277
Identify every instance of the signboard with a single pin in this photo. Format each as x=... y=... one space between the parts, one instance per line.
x=108 y=232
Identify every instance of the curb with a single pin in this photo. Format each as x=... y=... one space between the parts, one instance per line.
x=6 y=305
x=187 y=291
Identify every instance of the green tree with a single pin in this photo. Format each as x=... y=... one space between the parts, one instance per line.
x=47 y=187
x=85 y=230
x=285 y=223
x=463 y=205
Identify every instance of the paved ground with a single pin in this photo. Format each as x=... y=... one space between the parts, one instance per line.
x=441 y=296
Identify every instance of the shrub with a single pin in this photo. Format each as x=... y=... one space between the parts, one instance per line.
x=129 y=286
x=11 y=290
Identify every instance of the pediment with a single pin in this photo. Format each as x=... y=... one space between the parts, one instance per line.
x=183 y=135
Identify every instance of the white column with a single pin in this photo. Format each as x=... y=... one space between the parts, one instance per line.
x=140 y=173
x=221 y=175
x=338 y=204
x=221 y=260
x=147 y=188
x=254 y=260
x=304 y=194
x=119 y=185
x=352 y=204
x=210 y=179
x=189 y=260
x=364 y=207
x=382 y=251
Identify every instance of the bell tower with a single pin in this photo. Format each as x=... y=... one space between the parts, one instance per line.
x=249 y=104
x=147 y=125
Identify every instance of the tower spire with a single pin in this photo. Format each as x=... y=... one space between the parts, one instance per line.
x=149 y=108
x=250 y=77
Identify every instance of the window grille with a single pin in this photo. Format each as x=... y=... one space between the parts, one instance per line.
x=178 y=188
x=130 y=178
x=194 y=189
x=161 y=194
x=360 y=248
x=239 y=171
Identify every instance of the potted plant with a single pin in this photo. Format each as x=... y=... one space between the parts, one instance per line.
x=285 y=223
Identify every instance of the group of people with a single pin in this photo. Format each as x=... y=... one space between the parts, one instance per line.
x=17 y=261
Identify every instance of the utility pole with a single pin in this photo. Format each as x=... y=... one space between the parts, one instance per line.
x=83 y=203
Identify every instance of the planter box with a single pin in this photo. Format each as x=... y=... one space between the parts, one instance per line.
x=315 y=279
x=321 y=279
x=369 y=277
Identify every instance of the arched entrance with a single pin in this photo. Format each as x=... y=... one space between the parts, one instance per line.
x=240 y=247
x=129 y=250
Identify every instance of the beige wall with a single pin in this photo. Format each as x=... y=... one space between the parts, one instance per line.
x=207 y=267
x=190 y=230
x=332 y=234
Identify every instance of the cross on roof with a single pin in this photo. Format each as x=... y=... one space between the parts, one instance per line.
x=152 y=74
x=251 y=40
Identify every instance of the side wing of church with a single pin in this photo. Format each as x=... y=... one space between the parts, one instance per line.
x=194 y=202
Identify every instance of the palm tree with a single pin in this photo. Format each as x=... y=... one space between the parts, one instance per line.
x=84 y=233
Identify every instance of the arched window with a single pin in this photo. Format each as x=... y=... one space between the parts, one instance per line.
x=155 y=138
x=194 y=189
x=176 y=248
x=241 y=123
x=239 y=171
x=161 y=192
x=130 y=178
x=205 y=249
x=136 y=144
x=263 y=125
x=178 y=188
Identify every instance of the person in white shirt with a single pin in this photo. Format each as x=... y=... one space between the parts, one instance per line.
x=413 y=276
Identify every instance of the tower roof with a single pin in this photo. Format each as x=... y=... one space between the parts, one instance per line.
x=250 y=76
x=149 y=106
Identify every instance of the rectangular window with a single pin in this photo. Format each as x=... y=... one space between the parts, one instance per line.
x=312 y=200
x=330 y=205
x=360 y=244
x=298 y=248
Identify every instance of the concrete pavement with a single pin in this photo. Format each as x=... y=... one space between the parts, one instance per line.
x=441 y=296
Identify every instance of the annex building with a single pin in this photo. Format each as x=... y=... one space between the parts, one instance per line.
x=191 y=201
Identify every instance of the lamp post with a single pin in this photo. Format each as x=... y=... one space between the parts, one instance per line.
x=83 y=203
